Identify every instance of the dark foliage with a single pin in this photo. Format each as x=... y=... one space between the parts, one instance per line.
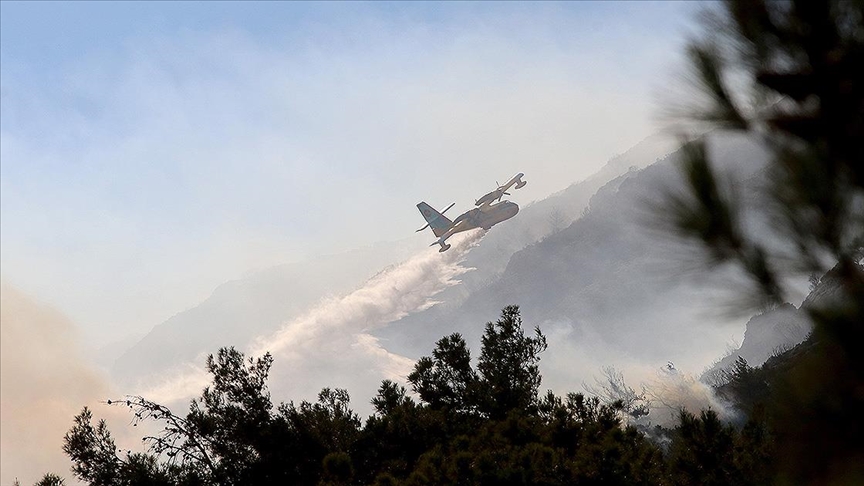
x=487 y=426
x=508 y=366
x=799 y=87
x=51 y=480
x=446 y=380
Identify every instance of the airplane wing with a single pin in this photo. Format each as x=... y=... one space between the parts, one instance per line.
x=517 y=180
x=500 y=192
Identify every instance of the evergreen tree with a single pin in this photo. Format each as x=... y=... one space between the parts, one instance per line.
x=469 y=427
x=744 y=386
x=509 y=366
x=798 y=85
x=92 y=450
x=51 y=480
x=446 y=380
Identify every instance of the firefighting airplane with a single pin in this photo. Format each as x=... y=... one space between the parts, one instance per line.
x=487 y=214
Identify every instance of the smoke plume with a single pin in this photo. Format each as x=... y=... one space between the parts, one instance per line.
x=330 y=345
x=44 y=382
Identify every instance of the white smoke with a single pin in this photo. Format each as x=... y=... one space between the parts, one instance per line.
x=578 y=353
x=330 y=345
x=673 y=390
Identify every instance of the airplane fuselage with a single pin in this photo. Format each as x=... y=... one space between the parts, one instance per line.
x=492 y=215
x=487 y=214
x=479 y=218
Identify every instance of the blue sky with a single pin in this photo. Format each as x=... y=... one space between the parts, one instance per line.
x=152 y=150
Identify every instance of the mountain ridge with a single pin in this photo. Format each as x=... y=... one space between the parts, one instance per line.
x=240 y=310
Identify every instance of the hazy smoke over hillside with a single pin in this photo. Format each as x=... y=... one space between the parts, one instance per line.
x=577 y=356
x=672 y=390
x=330 y=344
x=43 y=384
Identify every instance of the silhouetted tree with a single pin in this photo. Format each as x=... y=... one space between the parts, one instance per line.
x=92 y=450
x=798 y=85
x=790 y=73
x=446 y=380
x=397 y=434
x=231 y=435
x=612 y=388
x=744 y=385
x=557 y=220
x=320 y=429
x=97 y=460
x=50 y=479
x=704 y=451
x=509 y=365
x=467 y=428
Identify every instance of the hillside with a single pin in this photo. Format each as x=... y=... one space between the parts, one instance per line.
x=239 y=311
x=768 y=334
x=605 y=288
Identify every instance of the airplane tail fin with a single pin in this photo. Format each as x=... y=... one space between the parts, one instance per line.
x=437 y=221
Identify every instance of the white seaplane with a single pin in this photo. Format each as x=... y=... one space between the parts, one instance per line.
x=490 y=211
